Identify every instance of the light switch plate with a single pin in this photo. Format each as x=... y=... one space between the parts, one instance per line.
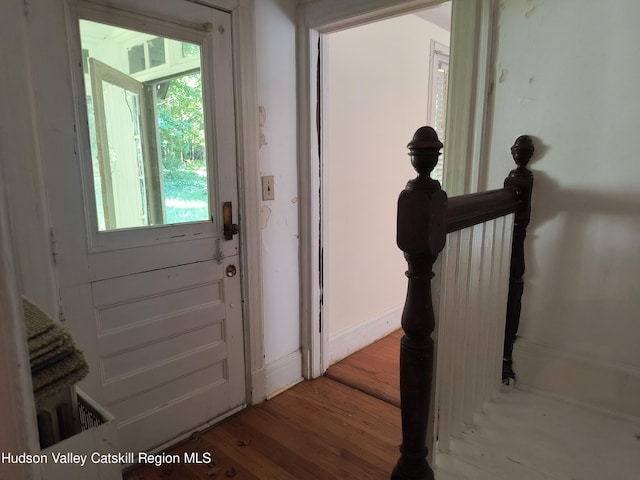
x=268 y=192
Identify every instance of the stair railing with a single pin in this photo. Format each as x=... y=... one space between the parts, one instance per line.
x=425 y=217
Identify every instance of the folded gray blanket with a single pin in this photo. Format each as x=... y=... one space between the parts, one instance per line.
x=56 y=363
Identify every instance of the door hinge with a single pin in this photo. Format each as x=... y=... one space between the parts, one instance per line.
x=54 y=246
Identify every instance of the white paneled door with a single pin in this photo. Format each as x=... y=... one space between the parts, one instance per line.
x=143 y=216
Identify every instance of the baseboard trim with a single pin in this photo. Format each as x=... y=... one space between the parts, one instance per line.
x=283 y=374
x=258 y=387
x=359 y=336
x=610 y=388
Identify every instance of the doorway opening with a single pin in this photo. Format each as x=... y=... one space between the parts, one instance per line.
x=380 y=82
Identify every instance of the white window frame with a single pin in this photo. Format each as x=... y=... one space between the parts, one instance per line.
x=438 y=60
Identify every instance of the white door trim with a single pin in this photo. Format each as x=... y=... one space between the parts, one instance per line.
x=313 y=351
x=245 y=77
x=471 y=46
x=470 y=90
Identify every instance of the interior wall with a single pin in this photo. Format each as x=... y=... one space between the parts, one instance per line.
x=571 y=81
x=276 y=70
x=23 y=241
x=20 y=154
x=377 y=92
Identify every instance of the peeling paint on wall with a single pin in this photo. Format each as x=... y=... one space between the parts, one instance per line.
x=265 y=214
x=262 y=119
x=503 y=75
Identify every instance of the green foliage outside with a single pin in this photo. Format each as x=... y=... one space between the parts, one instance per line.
x=182 y=146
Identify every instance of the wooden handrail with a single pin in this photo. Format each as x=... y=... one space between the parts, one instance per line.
x=467 y=210
x=425 y=216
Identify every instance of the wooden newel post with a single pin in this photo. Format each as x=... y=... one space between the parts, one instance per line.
x=522 y=179
x=421 y=235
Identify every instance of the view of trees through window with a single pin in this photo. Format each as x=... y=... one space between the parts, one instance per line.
x=182 y=147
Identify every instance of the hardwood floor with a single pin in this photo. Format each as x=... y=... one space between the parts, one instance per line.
x=327 y=430
x=374 y=370
x=318 y=430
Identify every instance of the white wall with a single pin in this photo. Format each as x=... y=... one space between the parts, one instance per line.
x=568 y=73
x=377 y=96
x=275 y=38
x=23 y=242
x=20 y=154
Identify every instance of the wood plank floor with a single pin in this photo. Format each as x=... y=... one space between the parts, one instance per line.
x=323 y=429
x=328 y=430
x=374 y=370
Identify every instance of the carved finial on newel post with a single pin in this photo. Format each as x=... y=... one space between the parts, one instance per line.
x=522 y=179
x=421 y=235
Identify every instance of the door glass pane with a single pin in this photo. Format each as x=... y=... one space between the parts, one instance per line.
x=147 y=128
x=156 y=51
x=122 y=114
x=181 y=133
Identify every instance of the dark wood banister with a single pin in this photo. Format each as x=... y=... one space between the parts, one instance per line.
x=425 y=216
x=467 y=210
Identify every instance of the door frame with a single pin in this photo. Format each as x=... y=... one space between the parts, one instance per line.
x=472 y=46
x=245 y=99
